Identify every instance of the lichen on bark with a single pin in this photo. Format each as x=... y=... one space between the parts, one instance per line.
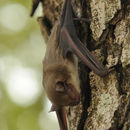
x=105 y=100
x=102 y=11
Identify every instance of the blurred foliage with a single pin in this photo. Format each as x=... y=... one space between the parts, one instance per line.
x=22 y=46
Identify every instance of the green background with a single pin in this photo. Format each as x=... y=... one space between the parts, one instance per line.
x=23 y=104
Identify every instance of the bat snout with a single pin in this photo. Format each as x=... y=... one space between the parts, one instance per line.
x=74 y=96
x=75 y=101
x=68 y=93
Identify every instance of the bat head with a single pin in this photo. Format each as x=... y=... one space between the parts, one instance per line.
x=68 y=92
x=61 y=86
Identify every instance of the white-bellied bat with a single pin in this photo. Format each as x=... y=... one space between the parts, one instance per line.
x=60 y=64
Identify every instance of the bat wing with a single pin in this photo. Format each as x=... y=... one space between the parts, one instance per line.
x=61 y=115
x=70 y=43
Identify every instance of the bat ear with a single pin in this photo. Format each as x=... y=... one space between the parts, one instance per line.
x=60 y=87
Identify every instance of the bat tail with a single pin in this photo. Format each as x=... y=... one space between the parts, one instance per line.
x=61 y=115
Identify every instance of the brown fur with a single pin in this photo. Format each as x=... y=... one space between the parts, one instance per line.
x=56 y=68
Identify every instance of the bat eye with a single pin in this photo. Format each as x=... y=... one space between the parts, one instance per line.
x=60 y=87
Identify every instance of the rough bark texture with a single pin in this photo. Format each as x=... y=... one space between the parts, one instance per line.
x=105 y=102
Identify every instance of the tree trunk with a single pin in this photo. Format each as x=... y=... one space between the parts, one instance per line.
x=105 y=102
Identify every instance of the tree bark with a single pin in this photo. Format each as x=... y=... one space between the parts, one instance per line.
x=105 y=102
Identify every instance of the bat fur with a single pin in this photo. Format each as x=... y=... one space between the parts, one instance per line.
x=58 y=71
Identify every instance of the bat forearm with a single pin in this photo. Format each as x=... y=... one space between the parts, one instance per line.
x=61 y=115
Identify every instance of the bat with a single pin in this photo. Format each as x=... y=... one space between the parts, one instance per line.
x=60 y=78
x=60 y=65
